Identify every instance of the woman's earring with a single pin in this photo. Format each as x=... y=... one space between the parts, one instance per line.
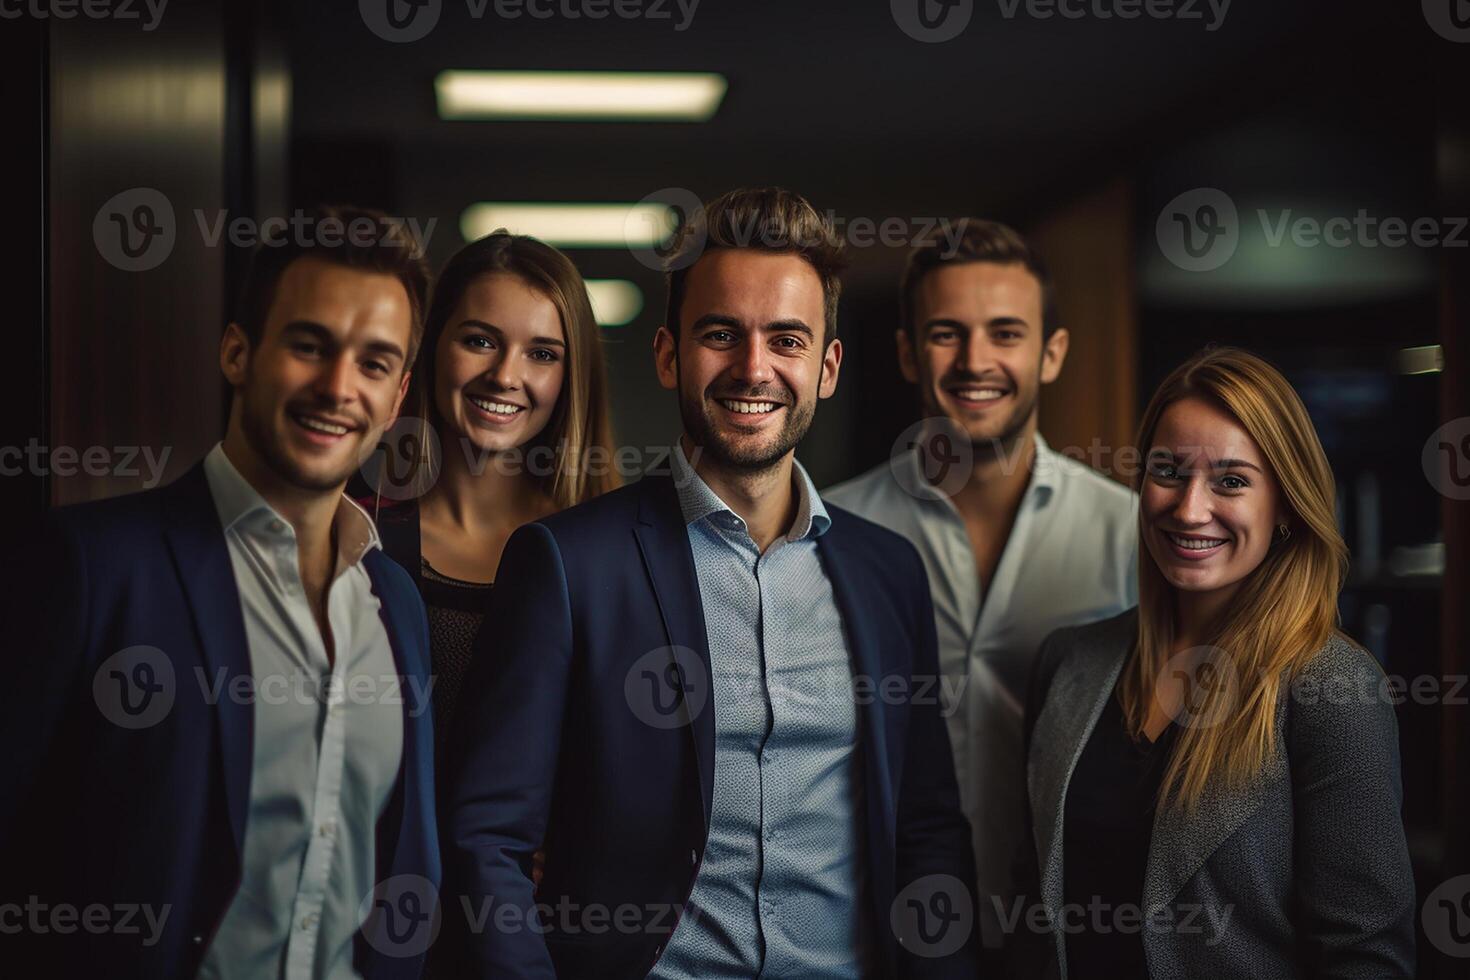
x=1283 y=532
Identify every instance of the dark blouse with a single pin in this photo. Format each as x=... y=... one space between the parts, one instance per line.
x=1106 y=834
x=455 y=609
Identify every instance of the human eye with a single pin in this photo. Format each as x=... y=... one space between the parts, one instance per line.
x=1163 y=468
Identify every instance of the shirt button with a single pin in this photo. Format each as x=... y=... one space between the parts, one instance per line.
x=693 y=857
x=197 y=940
x=328 y=828
x=310 y=919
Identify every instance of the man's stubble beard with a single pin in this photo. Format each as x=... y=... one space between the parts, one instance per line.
x=692 y=410
x=258 y=436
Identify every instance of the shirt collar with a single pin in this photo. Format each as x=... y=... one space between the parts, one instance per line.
x=240 y=506
x=1045 y=475
x=697 y=500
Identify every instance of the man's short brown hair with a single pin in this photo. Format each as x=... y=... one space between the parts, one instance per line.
x=980 y=241
x=768 y=219
x=359 y=238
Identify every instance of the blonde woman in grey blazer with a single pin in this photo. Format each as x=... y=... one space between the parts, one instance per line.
x=1213 y=776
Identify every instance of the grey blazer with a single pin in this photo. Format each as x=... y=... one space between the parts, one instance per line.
x=1303 y=874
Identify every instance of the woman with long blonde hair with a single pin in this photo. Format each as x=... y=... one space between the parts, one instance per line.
x=1213 y=777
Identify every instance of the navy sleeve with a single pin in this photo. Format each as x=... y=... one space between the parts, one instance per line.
x=505 y=746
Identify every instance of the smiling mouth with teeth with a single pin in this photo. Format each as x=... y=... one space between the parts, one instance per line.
x=1195 y=544
x=321 y=425
x=977 y=394
x=495 y=408
x=749 y=408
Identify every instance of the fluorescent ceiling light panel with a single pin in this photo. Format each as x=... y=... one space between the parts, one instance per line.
x=580 y=95
x=615 y=302
x=574 y=225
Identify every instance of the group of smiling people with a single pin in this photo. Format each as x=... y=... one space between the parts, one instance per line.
x=980 y=711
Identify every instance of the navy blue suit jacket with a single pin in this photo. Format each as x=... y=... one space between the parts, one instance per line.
x=93 y=811
x=549 y=748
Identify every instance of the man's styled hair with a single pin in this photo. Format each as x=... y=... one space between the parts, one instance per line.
x=767 y=219
x=359 y=238
x=980 y=241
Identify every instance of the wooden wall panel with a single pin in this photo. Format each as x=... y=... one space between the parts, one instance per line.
x=133 y=356
x=1088 y=245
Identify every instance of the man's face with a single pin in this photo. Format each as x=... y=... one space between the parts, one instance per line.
x=977 y=353
x=328 y=374
x=749 y=366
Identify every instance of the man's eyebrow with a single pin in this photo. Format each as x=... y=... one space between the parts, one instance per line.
x=943 y=321
x=735 y=323
x=319 y=332
x=716 y=320
x=799 y=326
x=308 y=326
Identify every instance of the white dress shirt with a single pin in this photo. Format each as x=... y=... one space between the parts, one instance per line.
x=328 y=742
x=1071 y=558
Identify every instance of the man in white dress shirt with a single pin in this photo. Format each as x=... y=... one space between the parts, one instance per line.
x=1018 y=539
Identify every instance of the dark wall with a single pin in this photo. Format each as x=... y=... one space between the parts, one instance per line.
x=154 y=138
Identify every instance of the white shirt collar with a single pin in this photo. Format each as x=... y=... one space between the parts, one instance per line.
x=241 y=507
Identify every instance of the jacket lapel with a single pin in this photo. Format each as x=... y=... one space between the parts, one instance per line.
x=879 y=739
x=1080 y=689
x=416 y=765
x=1181 y=844
x=202 y=557
x=663 y=541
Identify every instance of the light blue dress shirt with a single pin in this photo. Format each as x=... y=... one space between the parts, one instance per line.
x=328 y=741
x=778 y=891
x=1071 y=558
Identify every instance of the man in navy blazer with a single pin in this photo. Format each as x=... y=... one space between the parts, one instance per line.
x=216 y=724
x=708 y=697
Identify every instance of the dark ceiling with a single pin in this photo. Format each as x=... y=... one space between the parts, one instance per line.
x=822 y=94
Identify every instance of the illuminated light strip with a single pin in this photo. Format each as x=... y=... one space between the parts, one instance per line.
x=573 y=95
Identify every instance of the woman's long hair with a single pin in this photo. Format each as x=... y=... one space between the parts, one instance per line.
x=580 y=426
x=1285 y=609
